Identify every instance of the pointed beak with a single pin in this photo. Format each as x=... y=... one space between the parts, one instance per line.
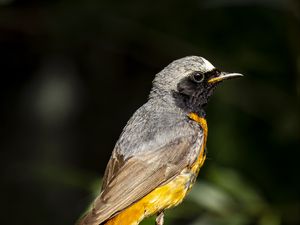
x=224 y=76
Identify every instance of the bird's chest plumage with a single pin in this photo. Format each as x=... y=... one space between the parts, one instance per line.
x=202 y=153
x=172 y=193
x=169 y=194
x=192 y=172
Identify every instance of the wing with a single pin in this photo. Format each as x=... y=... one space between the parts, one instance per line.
x=127 y=181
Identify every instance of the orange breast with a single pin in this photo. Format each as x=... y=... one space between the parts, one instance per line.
x=202 y=156
x=166 y=196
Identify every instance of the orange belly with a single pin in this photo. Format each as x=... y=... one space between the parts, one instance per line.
x=166 y=196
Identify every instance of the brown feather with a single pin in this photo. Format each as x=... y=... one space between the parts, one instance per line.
x=127 y=181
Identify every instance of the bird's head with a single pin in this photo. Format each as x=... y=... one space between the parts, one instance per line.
x=190 y=81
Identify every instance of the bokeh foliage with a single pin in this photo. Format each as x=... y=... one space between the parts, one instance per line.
x=73 y=72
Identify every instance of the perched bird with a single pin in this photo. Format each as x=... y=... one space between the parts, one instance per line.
x=157 y=158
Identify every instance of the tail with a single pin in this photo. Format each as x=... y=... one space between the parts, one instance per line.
x=130 y=216
x=94 y=215
x=100 y=214
x=89 y=218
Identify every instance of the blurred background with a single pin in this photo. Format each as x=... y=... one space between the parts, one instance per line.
x=73 y=72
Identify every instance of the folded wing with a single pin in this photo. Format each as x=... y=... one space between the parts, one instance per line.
x=127 y=181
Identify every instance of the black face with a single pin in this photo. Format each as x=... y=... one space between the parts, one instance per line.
x=195 y=90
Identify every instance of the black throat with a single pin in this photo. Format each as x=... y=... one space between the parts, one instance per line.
x=190 y=104
x=192 y=97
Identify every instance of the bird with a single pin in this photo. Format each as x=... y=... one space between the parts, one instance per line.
x=160 y=151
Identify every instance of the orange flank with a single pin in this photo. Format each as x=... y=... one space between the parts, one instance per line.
x=166 y=196
x=202 y=121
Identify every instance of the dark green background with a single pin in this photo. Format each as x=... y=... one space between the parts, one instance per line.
x=73 y=72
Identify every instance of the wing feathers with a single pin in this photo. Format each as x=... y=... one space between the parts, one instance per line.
x=128 y=181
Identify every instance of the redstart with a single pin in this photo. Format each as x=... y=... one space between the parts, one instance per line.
x=158 y=156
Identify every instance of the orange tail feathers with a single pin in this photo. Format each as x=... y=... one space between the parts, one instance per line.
x=133 y=215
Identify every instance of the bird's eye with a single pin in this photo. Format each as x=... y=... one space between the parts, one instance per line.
x=198 y=77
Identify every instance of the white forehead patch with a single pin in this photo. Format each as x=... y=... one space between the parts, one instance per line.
x=207 y=65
